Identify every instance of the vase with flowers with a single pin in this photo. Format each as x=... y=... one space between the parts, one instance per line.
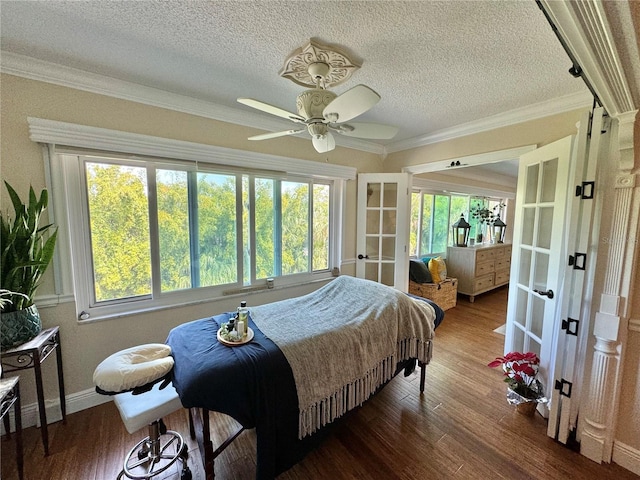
x=521 y=371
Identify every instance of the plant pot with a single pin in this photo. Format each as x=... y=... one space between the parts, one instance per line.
x=527 y=408
x=19 y=327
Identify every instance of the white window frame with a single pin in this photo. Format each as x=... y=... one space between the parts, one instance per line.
x=65 y=142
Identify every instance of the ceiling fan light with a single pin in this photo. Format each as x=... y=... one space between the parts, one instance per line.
x=317 y=130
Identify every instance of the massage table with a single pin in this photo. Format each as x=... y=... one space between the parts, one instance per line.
x=262 y=384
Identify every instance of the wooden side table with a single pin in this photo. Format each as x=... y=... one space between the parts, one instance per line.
x=10 y=396
x=31 y=355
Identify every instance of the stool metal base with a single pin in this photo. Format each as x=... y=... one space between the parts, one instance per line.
x=155 y=453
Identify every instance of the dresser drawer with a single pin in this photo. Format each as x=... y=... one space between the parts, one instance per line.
x=502 y=277
x=482 y=283
x=485 y=255
x=484 y=268
x=503 y=263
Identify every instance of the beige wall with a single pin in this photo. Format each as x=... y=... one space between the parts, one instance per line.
x=540 y=132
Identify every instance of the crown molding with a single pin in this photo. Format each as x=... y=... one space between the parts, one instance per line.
x=584 y=26
x=512 y=117
x=82 y=136
x=40 y=70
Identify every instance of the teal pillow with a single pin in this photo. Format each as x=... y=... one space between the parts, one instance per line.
x=419 y=272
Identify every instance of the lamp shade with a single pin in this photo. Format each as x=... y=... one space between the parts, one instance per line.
x=461 y=232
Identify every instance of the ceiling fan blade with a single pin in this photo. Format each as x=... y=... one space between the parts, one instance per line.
x=323 y=144
x=366 y=130
x=350 y=104
x=267 y=136
x=265 y=107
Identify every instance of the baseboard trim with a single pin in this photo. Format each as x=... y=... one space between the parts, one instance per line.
x=627 y=457
x=75 y=403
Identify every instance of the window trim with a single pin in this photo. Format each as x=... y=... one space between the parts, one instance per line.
x=61 y=140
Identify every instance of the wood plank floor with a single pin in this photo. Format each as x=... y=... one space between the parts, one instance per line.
x=461 y=428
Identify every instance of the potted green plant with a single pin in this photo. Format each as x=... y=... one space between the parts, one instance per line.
x=482 y=215
x=26 y=252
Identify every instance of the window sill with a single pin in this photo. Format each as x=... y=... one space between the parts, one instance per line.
x=235 y=293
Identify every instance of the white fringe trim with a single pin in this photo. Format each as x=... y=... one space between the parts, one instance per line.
x=355 y=393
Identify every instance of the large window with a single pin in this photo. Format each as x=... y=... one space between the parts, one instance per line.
x=432 y=215
x=154 y=228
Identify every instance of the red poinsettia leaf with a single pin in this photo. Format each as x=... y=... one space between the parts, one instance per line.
x=528 y=370
x=495 y=363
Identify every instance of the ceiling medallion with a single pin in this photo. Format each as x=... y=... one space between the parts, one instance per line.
x=317 y=64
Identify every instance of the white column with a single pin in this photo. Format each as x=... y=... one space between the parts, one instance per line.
x=612 y=318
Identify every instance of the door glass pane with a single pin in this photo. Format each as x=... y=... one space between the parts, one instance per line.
x=541 y=271
x=373 y=222
x=371 y=271
x=529 y=216
x=545 y=223
x=388 y=248
x=534 y=346
x=537 y=315
x=387 y=276
x=521 y=313
x=531 y=187
x=518 y=338
x=373 y=194
x=390 y=195
x=372 y=247
x=389 y=221
x=549 y=172
x=525 y=267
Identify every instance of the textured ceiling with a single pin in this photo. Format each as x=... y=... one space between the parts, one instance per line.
x=436 y=64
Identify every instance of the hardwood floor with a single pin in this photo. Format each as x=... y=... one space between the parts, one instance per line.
x=461 y=428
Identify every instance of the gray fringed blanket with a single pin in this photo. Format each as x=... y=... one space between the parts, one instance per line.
x=343 y=341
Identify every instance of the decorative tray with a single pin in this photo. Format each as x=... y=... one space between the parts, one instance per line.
x=247 y=338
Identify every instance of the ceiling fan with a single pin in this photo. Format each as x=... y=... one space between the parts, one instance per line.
x=320 y=111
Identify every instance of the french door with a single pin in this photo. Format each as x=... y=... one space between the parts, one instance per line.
x=551 y=273
x=538 y=254
x=382 y=238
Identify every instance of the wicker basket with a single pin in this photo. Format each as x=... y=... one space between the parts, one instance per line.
x=445 y=294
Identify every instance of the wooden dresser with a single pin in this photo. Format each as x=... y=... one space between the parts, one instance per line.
x=479 y=268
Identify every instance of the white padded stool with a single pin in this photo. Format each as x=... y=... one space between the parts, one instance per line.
x=138 y=379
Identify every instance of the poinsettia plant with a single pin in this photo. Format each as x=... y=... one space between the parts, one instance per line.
x=520 y=370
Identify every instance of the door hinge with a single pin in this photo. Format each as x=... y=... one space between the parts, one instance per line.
x=578 y=261
x=585 y=191
x=571 y=326
x=564 y=387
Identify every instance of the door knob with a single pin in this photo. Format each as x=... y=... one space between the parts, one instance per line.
x=548 y=293
x=360 y=257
